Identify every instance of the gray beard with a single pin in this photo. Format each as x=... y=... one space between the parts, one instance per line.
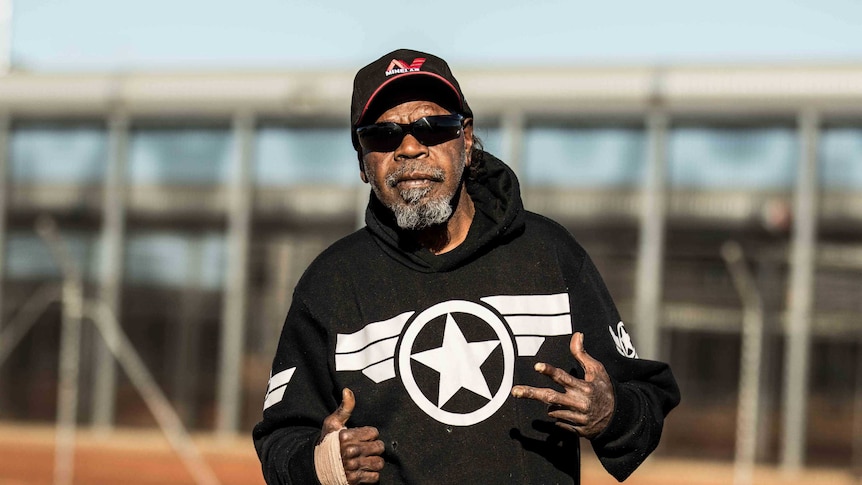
x=416 y=212
x=419 y=215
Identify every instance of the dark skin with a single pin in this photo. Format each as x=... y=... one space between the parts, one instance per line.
x=585 y=406
x=446 y=156
x=361 y=449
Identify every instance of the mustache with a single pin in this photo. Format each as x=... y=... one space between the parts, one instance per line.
x=414 y=170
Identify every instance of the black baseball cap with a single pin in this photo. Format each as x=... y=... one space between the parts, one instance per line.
x=404 y=71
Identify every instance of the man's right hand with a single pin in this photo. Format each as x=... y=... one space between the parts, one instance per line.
x=361 y=449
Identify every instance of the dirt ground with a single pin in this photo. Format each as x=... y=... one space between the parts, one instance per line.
x=133 y=457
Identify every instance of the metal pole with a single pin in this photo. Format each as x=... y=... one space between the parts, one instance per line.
x=70 y=350
x=67 y=395
x=856 y=463
x=111 y=271
x=651 y=247
x=4 y=196
x=800 y=298
x=513 y=140
x=750 y=363
x=233 y=312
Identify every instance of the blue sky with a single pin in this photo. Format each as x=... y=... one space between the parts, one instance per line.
x=53 y=35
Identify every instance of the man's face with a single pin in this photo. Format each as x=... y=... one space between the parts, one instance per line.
x=418 y=182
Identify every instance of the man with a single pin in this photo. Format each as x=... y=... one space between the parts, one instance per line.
x=457 y=338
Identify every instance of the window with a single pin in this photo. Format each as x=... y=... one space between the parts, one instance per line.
x=584 y=156
x=28 y=257
x=52 y=153
x=180 y=156
x=841 y=158
x=730 y=158
x=287 y=155
x=162 y=258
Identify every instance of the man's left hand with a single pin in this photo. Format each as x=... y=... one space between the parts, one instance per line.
x=586 y=405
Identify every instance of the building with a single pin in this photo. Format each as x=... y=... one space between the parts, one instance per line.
x=193 y=201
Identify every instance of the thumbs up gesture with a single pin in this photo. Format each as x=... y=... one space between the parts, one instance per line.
x=586 y=405
x=361 y=449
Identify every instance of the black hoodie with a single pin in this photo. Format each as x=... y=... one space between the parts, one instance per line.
x=431 y=345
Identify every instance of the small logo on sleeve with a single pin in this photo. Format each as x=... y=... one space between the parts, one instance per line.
x=275 y=389
x=623 y=341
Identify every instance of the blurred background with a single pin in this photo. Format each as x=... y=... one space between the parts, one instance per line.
x=195 y=157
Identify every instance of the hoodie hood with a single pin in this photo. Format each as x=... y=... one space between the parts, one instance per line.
x=499 y=215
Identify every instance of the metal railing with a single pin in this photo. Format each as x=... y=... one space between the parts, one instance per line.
x=77 y=310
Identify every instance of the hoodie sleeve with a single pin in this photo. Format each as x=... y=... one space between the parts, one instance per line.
x=299 y=396
x=645 y=390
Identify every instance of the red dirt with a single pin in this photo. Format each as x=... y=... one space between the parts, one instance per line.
x=143 y=457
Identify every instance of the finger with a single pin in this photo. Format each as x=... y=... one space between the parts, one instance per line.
x=362 y=476
x=542 y=394
x=348 y=403
x=570 y=416
x=339 y=418
x=361 y=449
x=573 y=428
x=552 y=397
x=528 y=392
x=365 y=433
x=558 y=375
x=363 y=469
x=588 y=363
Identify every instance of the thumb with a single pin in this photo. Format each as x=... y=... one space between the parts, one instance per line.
x=339 y=418
x=588 y=363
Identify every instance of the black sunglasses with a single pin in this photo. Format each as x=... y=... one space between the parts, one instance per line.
x=429 y=131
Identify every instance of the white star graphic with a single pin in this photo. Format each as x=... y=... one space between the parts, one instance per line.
x=458 y=362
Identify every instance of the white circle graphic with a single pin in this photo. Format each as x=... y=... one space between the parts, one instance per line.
x=406 y=366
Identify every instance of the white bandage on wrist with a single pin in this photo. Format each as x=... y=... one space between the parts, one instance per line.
x=327 y=461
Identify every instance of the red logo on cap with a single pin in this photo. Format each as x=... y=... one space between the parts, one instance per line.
x=398 y=66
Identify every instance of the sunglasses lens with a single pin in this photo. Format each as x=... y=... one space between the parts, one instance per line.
x=430 y=130
x=380 y=137
x=433 y=130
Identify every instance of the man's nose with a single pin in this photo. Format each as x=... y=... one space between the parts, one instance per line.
x=410 y=147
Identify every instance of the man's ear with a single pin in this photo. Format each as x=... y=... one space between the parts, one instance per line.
x=468 y=138
x=361 y=166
